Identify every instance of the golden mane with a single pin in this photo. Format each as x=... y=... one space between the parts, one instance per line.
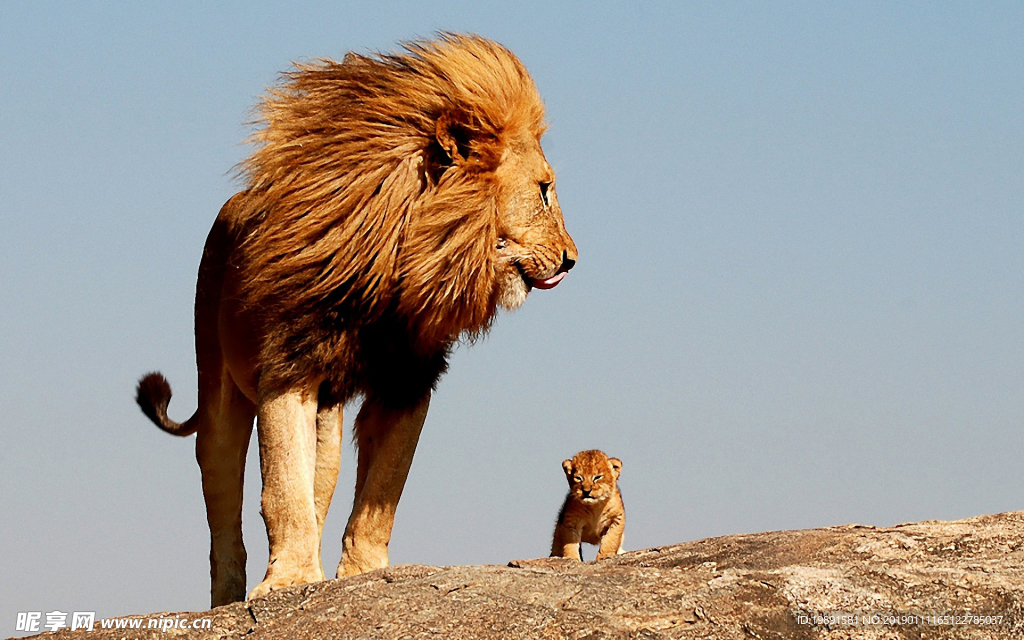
x=371 y=198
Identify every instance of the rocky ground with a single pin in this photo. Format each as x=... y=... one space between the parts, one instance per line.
x=940 y=580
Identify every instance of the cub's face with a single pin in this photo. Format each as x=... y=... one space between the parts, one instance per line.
x=592 y=476
x=534 y=249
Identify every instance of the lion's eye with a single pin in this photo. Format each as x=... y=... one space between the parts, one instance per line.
x=544 y=186
x=596 y=478
x=577 y=479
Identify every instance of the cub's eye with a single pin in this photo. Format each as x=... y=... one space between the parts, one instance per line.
x=596 y=478
x=544 y=186
x=577 y=479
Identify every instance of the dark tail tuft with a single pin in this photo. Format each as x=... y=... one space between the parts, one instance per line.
x=153 y=395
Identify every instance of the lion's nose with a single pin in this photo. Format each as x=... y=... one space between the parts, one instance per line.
x=567 y=262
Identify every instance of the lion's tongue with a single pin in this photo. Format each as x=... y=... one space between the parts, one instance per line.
x=549 y=282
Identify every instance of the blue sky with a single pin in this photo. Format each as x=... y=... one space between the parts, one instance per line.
x=798 y=301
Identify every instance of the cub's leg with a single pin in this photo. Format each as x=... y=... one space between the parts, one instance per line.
x=567 y=546
x=611 y=541
x=286 y=423
x=328 y=459
x=221 y=444
x=387 y=440
x=566 y=543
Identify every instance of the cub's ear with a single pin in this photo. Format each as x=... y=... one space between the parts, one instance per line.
x=616 y=465
x=453 y=135
x=567 y=465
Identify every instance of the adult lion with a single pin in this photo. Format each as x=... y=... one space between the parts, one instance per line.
x=393 y=203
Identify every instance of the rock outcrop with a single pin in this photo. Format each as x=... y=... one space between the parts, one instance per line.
x=962 y=579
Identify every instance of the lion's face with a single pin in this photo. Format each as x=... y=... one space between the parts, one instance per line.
x=592 y=476
x=534 y=249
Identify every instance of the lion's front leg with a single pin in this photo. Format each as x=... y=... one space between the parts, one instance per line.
x=567 y=543
x=611 y=541
x=286 y=423
x=328 y=460
x=387 y=440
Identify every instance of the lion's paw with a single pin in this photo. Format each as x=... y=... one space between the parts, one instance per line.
x=283 y=580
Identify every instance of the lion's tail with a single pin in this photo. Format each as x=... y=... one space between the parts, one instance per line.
x=153 y=395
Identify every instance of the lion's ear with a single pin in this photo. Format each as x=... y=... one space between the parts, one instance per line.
x=453 y=136
x=567 y=465
x=616 y=466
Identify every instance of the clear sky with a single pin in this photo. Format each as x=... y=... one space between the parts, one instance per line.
x=799 y=299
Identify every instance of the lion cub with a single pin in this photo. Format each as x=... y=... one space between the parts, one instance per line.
x=593 y=510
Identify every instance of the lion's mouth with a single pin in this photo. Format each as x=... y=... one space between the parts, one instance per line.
x=505 y=249
x=544 y=283
x=547 y=283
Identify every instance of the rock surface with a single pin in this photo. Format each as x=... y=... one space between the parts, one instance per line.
x=964 y=579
